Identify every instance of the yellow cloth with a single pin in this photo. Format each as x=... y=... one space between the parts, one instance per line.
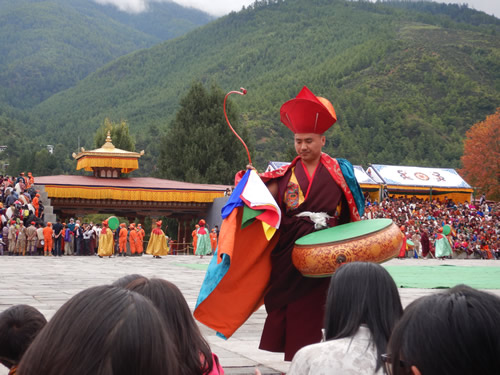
x=157 y=244
x=105 y=243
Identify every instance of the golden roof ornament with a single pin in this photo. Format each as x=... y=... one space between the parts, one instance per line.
x=108 y=156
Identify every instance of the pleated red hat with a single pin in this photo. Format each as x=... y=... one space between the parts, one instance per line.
x=308 y=113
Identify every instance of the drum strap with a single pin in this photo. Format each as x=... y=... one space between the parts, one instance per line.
x=318 y=218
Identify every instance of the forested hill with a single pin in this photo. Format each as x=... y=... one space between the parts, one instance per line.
x=406 y=79
x=47 y=46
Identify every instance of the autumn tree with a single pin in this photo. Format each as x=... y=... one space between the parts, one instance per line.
x=120 y=135
x=481 y=158
x=199 y=146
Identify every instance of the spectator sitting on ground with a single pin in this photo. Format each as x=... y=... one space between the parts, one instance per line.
x=103 y=330
x=455 y=332
x=197 y=358
x=19 y=325
x=362 y=307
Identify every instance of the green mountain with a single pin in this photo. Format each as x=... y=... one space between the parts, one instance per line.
x=47 y=46
x=406 y=79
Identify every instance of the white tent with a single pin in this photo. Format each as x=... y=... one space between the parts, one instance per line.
x=421 y=182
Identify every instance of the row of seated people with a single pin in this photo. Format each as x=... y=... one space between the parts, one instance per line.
x=366 y=332
x=475 y=229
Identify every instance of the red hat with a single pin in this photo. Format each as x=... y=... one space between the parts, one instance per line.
x=12 y=221
x=158 y=223
x=123 y=225
x=440 y=229
x=105 y=223
x=202 y=223
x=308 y=113
x=33 y=223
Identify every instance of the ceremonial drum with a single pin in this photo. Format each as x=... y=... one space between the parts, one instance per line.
x=113 y=222
x=409 y=244
x=320 y=253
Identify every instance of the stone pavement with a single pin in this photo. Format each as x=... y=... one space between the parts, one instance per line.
x=47 y=282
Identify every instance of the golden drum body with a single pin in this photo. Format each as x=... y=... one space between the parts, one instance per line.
x=320 y=253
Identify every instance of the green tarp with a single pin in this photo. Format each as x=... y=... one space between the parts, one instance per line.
x=445 y=276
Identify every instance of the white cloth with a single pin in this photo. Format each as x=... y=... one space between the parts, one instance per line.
x=356 y=355
x=318 y=218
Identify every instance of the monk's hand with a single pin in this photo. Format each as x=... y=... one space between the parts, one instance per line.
x=250 y=166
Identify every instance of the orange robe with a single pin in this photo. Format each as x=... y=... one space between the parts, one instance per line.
x=47 y=238
x=36 y=204
x=213 y=241
x=122 y=240
x=195 y=240
x=140 y=241
x=133 y=240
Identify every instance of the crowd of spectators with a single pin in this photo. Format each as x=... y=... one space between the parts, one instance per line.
x=475 y=228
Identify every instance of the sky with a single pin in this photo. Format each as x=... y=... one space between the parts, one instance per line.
x=222 y=7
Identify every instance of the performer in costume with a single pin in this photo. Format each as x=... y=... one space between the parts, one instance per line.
x=122 y=239
x=213 y=239
x=157 y=244
x=442 y=245
x=106 y=241
x=203 y=246
x=194 y=234
x=140 y=242
x=134 y=240
x=314 y=192
x=47 y=238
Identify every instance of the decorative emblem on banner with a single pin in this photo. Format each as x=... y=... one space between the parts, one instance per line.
x=438 y=176
x=403 y=174
x=421 y=176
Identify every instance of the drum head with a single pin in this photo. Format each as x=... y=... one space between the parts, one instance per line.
x=344 y=232
x=410 y=243
x=113 y=222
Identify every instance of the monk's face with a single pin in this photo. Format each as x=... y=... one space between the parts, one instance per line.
x=309 y=146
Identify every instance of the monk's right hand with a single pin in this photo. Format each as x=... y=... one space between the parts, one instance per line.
x=250 y=166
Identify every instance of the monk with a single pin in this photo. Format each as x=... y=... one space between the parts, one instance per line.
x=47 y=239
x=157 y=245
x=194 y=234
x=36 y=203
x=213 y=240
x=122 y=240
x=140 y=239
x=313 y=192
x=105 y=241
x=133 y=240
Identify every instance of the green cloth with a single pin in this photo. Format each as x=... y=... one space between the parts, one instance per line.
x=203 y=246
x=249 y=216
x=445 y=276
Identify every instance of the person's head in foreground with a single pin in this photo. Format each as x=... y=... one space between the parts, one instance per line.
x=362 y=293
x=103 y=330
x=456 y=332
x=194 y=351
x=19 y=326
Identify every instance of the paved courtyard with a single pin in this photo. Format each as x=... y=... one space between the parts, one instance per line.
x=47 y=282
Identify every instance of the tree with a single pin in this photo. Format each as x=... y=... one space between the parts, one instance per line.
x=120 y=135
x=481 y=158
x=199 y=146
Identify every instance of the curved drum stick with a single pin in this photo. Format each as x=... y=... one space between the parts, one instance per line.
x=241 y=92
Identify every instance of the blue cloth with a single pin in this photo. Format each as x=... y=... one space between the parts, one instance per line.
x=235 y=200
x=215 y=273
x=350 y=178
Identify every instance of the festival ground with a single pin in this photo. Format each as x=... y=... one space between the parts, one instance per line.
x=47 y=282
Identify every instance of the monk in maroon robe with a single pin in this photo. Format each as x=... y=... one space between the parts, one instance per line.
x=313 y=183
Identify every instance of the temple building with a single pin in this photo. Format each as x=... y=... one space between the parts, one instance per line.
x=110 y=191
